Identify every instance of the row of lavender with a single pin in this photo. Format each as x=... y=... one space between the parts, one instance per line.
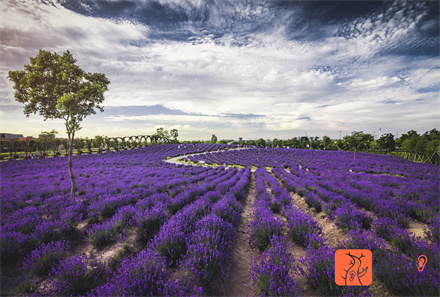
x=396 y=270
x=382 y=235
x=332 y=160
x=36 y=209
x=273 y=275
x=133 y=189
x=380 y=183
x=196 y=240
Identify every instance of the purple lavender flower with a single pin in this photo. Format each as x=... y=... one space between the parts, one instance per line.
x=149 y=223
x=141 y=275
x=301 y=226
x=13 y=244
x=263 y=227
x=41 y=260
x=102 y=234
x=363 y=240
x=348 y=217
x=76 y=276
x=318 y=266
x=433 y=231
x=228 y=209
x=206 y=255
x=271 y=275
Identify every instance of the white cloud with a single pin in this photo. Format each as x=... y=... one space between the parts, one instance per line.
x=268 y=74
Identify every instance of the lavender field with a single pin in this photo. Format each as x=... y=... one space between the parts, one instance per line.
x=248 y=222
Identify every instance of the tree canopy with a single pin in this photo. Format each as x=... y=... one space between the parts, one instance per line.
x=57 y=88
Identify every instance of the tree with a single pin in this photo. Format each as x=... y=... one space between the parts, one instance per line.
x=276 y=142
x=315 y=143
x=433 y=147
x=88 y=143
x=422 y=144
x=47 y=139
x=213 y=138
x=327 y=141
x=358 y=140
x=161 y=134
x=8 y=145
x=79 y=143
x=166 y=136
x=409 y=144
x=57 y=142
x=32 y=143
x=304 y=142
x=174 y=134
x=110 y=143
x=97 y=141
x=386 y=141
x=56 y=88
x=65 y=144
x=340 y=144
x=434 y=134
x=25 y=146
x=16 y=145
x=261 y=142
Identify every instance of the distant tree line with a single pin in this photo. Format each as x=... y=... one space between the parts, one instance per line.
x=47 y=143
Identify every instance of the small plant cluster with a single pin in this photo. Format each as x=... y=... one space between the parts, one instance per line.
x=149 y=222
x=179 y=201
x=400 y=274
x=41 y=260
x=39 y=263
x=319 y=269
x=228 y=209
x=271 y=275
x=393 y=233
x=349 y=217
x=142 y=275
x=314 y=201
x=148 y=219
x=170 y=241
x=208 y=250
x=302 y=228
x=76 y=276
x=126 y=216
x=278 y=197
x=433 y=230
x=263 y=226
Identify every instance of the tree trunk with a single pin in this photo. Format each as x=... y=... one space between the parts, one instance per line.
x=69 y=165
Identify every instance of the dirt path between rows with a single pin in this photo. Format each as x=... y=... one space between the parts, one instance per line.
x=333 y=236
x=238 y=282
x=297 y=252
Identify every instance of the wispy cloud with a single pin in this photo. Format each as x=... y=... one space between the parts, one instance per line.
x=210 y=66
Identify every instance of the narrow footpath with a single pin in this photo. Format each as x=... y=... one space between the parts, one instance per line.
x=238 y=282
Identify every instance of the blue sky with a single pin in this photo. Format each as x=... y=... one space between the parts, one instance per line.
x=236 y=68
